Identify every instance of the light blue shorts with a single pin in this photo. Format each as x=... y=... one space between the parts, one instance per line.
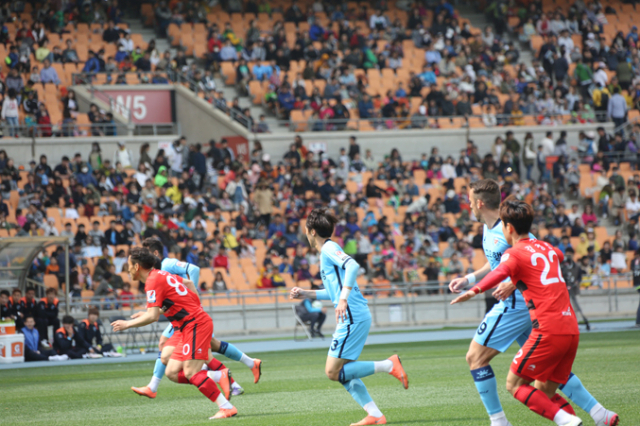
x=348 y=340
x=502 y=326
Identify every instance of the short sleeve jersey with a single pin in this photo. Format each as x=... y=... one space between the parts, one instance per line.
x=494 y=245
x=534 y=267
x=332 y=270
x=166 y=291
x=181 y=269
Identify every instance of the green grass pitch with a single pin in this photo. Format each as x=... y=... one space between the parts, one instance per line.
x=294 y=390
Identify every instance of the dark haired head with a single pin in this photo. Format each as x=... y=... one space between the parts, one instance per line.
x=68 y=319
x=143 y=257
x=153 y=244
x=323 y=221
x=517 y=214
x=488 y=191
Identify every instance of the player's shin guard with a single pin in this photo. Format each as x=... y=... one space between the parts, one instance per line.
x=537 y=401
x=358 y=391
x=577 y=393
x=205 y=385
x=563 y=404
x=356 y=370
x=487 y=386
x=230 y=351
x=158 y=370
x=215 y=365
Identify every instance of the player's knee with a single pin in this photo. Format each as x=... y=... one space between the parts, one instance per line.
x=172 y=375
x=512 y=387
x=476 y=359
x=164 y=358
x=215 y=344
x=332 y=374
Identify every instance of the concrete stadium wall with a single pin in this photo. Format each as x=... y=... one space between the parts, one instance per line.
x=413 y=143
x=200 y=122
x=387 y=312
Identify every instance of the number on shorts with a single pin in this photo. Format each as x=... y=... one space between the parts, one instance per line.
x=334 y=344
x=186 y=349
x=518 y=355
x=482 y=328
x=180 y=288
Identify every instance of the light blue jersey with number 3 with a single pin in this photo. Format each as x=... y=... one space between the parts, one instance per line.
x=332 y=269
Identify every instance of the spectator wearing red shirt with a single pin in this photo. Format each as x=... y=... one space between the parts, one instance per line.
x=221 y=260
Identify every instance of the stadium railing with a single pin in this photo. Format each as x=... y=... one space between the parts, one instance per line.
x=271 y=308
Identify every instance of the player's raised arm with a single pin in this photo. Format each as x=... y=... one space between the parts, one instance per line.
x=191 y=286
x=458 y=284
x=299 y=293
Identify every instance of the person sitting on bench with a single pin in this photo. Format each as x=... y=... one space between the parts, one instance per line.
x=313 y=312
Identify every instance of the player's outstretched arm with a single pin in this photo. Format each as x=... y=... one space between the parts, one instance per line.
x=191 y=286
x=458 y=284
x=494 y=278
x=148 y=317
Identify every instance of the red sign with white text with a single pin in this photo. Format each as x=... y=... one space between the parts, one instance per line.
x=146 y=106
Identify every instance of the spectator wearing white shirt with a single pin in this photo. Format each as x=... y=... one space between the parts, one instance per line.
x=378 y=21
x=547 y=144
x=566 y=40
x=127 y=43
x=632 y=205
x=600 y=76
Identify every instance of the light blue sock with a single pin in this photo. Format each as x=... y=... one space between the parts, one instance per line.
x=577 y=393
x=487 y=388
x=230 y=351
x=358 y=391
x=356 y=370
x=158 y=370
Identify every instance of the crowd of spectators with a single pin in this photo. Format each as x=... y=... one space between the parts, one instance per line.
x=404 y=220
x=409 y=65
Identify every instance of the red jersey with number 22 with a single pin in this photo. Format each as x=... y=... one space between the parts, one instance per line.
x=166 y=291
x=534 y=266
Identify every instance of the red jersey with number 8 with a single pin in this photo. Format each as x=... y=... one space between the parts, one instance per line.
x=166 y=291
x=534 y=266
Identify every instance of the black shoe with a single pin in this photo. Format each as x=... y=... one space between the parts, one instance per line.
x=313 y=333
x=319 y=334
x=586 y=323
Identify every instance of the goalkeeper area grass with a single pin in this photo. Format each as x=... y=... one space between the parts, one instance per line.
x=294 y=390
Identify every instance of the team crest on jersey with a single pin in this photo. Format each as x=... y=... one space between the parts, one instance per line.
x=496 y=241
x=151 y=296
x=342 y=255
x=181 y=264
x=504 y=257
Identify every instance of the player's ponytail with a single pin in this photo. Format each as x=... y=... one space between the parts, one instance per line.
x=143 y=257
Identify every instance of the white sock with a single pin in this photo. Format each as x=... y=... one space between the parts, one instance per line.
x=153 y=384
x=597 y=413
x=499 y=419
x=383 y=366
x=215 y=376
x=205 y=367
x=248 y=361
x=562 y=418
x=372 y=409
x=223 y=402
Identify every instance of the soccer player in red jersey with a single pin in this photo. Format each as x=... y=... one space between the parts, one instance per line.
x=547 y=357
x=178 y=299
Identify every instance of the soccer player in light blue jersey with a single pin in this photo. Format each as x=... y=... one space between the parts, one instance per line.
x=509 y=320
x=353 y=319
x=217 y=371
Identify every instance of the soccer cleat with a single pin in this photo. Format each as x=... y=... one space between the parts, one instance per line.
x=610 y=419
x=225 y=413
x=257 y=370
x=575 y=421
x=225 y=383
x=398 y=371
x=370 y=420
x=145 y=391
x=237 y=391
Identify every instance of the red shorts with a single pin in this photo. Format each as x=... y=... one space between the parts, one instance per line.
x=546 y=357
x=174 y=340
x=195 y=340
